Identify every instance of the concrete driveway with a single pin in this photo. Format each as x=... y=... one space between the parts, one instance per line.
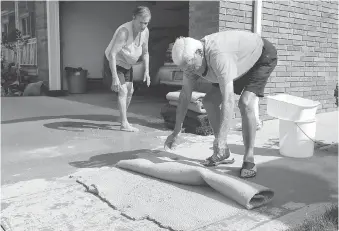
x=44 y=140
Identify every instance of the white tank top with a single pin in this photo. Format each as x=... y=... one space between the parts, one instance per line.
x=132 y=51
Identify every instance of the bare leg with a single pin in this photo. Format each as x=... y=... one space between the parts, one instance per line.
x=126 y=126
x=130 y=90
x=122 y=98
x=212 y=102
x=247 y=108
x=256 y=110
x=238 y=126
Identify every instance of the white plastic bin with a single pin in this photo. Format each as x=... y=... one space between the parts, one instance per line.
x=292 y=108
x=296 y=138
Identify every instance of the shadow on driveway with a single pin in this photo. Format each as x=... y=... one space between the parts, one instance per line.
x=94 y=117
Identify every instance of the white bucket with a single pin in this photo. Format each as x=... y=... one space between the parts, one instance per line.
x=292 y=108
x=296 y=139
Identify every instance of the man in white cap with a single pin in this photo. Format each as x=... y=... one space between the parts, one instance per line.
x=237 y=62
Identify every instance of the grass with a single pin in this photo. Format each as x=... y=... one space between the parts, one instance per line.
x=326 y=222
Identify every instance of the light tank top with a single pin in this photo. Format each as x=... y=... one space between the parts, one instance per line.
x=131 y=52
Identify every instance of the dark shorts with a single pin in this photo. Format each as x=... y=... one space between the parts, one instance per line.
x=256 y=78
x=125 y=75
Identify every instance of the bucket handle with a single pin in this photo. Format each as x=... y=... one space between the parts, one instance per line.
x=305 y=133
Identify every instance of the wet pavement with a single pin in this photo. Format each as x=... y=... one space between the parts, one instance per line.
x=44 y=140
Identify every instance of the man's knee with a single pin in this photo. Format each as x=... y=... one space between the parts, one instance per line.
x=247 y=101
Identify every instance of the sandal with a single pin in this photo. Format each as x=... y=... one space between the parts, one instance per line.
x=215 y=160
x=248 y=170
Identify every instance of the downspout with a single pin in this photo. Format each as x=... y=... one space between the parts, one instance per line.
x=257 y=16
x=257 y=29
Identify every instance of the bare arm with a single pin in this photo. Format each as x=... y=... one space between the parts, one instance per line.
x=145 y=55
x=184 y=100
x=227 y=105
x=118 y=43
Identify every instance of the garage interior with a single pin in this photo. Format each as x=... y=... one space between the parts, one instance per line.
x=86 y=29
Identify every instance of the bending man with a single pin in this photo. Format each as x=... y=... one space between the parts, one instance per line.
x=129 y=43
x=237 y=62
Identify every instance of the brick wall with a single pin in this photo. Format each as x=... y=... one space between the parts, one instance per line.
x=305 y=34
x=236 y=15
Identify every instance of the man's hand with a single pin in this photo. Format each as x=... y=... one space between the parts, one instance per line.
x=115 y=84
x=147 y=78
x=171 y=141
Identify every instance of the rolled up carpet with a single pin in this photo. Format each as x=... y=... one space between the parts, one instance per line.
x=196 y=106
x=169 y=111
x=198 y=130
x=204 y=131
x=247 y=194
x=196 y=96
x=193 y=123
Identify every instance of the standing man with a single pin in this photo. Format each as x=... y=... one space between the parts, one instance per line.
x=237 y=62
x=129 y=43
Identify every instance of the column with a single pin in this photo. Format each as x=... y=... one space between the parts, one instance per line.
x=53 y=35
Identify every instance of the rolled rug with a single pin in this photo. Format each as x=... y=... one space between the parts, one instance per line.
x=196 y=107
x=204 y=131
x=169 y=111
x=190 y=127
x=196 y=96
x=202 y=120
x=247 y=194
x=170 y=171
x=199 y=125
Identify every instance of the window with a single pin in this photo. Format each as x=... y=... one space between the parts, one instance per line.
x=4 y=28
x=26 y=26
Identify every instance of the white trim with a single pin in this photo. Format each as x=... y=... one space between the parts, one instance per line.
x=53 y=35
x=257 y=16
x=24 y=15
x=6 y=12
x=16 y=12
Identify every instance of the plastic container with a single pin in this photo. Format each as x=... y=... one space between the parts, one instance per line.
x=77 y=81
x=292 y=108
x=296 y=139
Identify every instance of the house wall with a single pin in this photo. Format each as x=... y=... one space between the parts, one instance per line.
x=305 y=34
x=87 y=28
